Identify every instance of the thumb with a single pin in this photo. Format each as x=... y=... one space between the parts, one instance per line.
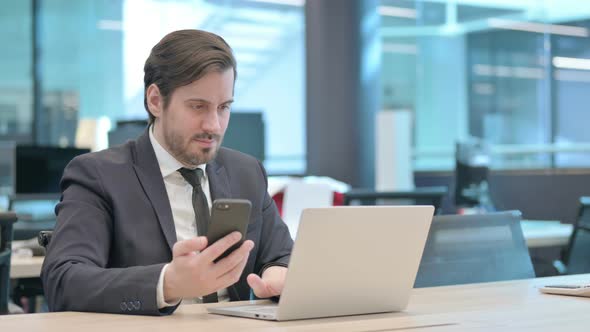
x=259 y=286
x=182 y=248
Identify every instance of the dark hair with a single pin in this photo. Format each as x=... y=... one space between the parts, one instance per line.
x=182 y=57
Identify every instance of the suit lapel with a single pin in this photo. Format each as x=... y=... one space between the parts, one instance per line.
x=148 y=172
x=218 y=180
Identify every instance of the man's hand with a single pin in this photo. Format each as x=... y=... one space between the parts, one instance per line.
x=192 y=274
x=271 y=284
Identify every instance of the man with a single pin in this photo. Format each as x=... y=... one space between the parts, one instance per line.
x=127 y=223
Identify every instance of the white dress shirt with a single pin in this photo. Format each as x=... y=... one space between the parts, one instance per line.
x=180 y=195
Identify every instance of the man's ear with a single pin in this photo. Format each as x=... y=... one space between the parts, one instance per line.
x=155 y=102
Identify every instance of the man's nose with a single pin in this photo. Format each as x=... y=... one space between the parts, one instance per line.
x=211 y=122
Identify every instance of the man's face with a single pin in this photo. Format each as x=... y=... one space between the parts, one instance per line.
x=191 y=128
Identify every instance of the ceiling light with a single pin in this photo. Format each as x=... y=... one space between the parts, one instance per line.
x=571 y=63
x=397 y=11
x=297 y=3
x=565 y=30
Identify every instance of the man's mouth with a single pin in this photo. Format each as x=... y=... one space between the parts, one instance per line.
x=206 y=141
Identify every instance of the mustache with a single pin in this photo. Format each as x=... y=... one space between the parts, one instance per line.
x=207 y=136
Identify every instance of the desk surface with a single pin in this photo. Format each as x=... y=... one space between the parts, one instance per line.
x=512 y=305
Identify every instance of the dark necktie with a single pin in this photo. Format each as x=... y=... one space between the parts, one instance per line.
x=201 y=208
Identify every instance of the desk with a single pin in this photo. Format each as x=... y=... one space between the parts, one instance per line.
x=536 y=233
x=511 y=305
x=25 y=267
x=540 y=233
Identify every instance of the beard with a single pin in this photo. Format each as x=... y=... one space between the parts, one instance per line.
x=180 y=149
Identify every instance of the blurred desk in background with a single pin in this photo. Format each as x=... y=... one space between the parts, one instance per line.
x=418 y=196
x=25 y=267
x=543 y=233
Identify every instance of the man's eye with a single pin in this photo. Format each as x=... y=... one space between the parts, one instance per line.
x=197 y=106
x=225 y=107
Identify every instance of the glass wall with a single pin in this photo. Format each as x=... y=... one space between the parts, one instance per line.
x=513 y=73
x=16 y=84
x=91 y=57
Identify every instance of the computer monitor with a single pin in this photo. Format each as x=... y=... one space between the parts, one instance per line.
x=245 y=133
x=126 y=130
x=39 y=168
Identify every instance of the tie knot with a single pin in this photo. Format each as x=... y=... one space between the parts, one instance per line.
x=192 y=176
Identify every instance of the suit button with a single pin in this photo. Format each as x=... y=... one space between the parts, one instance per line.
x=130 y=305
x=137 y=305
x=123 y=306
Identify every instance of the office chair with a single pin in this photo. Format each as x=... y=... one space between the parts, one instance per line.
x=419 y=196
x=472 y=161
x=7 y=219
x=30 y=288
x=44 y=237
x=577 y=255
x=463 y=249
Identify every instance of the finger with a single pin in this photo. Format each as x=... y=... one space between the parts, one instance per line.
x=186 y=247
x=233 y=275
x=239 y=255
x=259 y=286
x=220 y=246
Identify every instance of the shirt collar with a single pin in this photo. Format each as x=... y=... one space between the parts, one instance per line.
x=168 y=164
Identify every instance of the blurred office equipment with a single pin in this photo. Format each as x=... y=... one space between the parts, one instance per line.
x=7 y=167
x=577 y=256
x=464 y=249
x=58 y=122
x=8 y=119
x=36 y=187
x=126 y=130
x=7 y=219
x=92 y=133
x=40 y=168
x=245 y=133
x=16 y=115
x=300 y=195
x=35 y=212
x=44 y=238
x=393 y=151
x=419 y=196
x=471 y=175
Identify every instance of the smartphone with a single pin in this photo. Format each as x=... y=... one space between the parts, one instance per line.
x=575 y=290
x=228 y=215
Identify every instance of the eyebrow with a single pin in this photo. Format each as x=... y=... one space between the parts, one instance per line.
x=206 y=101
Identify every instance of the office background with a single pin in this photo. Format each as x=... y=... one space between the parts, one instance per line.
x=513 y=73
x=504 y=80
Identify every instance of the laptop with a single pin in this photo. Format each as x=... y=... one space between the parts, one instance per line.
x=348 y=260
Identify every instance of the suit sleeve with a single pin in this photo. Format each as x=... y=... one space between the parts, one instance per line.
x=276 y=242
x=75 y=274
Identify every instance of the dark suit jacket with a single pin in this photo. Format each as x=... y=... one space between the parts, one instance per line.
x=115 y=230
